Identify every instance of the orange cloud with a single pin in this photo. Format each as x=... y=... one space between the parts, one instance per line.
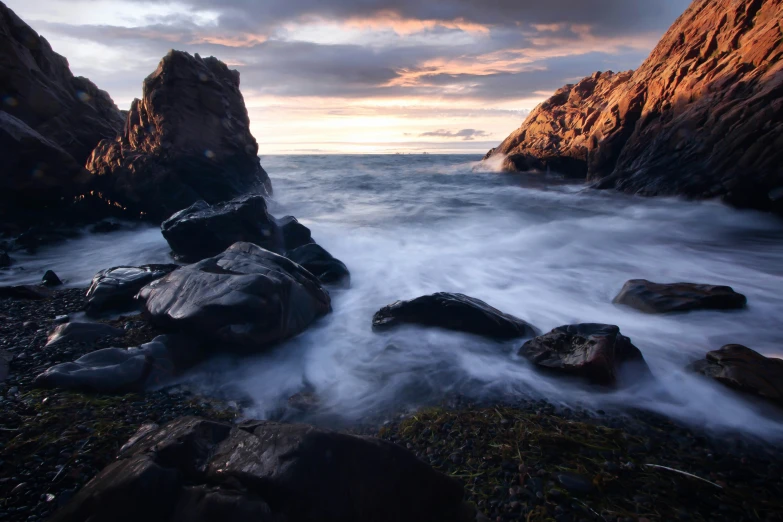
x=241 y=40
x=406 y=26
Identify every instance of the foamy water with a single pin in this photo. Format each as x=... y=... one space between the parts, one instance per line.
x=547 y=252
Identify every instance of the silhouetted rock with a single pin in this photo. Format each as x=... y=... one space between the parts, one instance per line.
x=454 y=312
x=186 y=139
x=244 y=299
x=655 y=298
x=745 y=370
x=82 y=333
x=321 y=264
x=596 y=352
x=25 y=292
x=702 y=117
x=294 y=233
x=115 y=288
x=51 y=279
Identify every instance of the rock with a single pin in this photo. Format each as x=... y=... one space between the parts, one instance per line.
x=304 y=401
x=121 y=370
x=321 y=264
x=115 y=288
x=105 y=227
x=702 y=117
x=746 y=370
x=61 y=319
x=655 y=298
x=302 y=473
x=5 y=259
x=454 y=312
x=294 y=233
x=25 y=292
x=244 y=299
x=575 y=483
x=187 y=139
x=81 y=333
x=596 y=352
x=5 y=363
x=202 y=231
x=51 y=279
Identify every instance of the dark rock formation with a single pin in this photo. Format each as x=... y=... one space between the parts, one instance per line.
x=193 y=469
x=655 y=298
x=115 y=288
x=51 y=279
x=244 y=299
x=745 y=370
x=321 y=264
x=596 y=352
x=81 y=333
x=454 y=312
x=186 y=139
x=702 y=117
x=34 y=292
x=294 y=233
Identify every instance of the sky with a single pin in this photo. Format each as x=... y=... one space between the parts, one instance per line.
x=363 y=76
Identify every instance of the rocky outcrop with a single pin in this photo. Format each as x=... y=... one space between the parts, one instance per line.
x=595 y=352
x=81 y=333
x=243 y=300
x=746 y=370
x=261 y=471
x=321 y=264
x=115 y=288
x=702 y=117
x=186 y=139
x=657 y=298
x=454 y=312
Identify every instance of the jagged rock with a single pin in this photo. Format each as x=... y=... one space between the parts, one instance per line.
x=745 y=370
x=244 y=299
x=321 y=264
x=51 y=279
x=25 y=292
x=186 y=139
x=702 y=117
x=115 y=288
x=293 y=232
x=453 y=312
x=596 y=352
x=81 y=333
x=655 y=298
x=281 y=472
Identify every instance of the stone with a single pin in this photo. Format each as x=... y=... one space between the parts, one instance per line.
x=595 y=352
x=656 y=298
x=454 y=312
x=746 y=370
x=115 y=288
x=34 y=292
x=243 y=300
x=187 y=139
x=5 y=364
x=51 y=279
x=701 y=118
x=82 y=333
x=321 y=264
x=294 y=233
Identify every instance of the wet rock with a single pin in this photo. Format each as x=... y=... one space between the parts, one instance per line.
x=244 y=299
x=454 y=312
x=34 y=292
x=321 y=264
x=745 y=370
x=656 y=298
x=187 y=139
x=304 y=401
x=81 y=333
x=5 y=361
x=115 y=288
x=51 y=279
x=575 y=483
x=294 y=233
x=596 y=352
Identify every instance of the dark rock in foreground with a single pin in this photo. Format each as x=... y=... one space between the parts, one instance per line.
x=321 y=264
x=187 y=139
x=34 y=292
x=656 y=298
x=194 y=469
x=294 y=233
x=51 y=279
x=115 y=288
x=596 y=352
x=454 y=312
x=746 y=370
x=244 y=299
x=81 y=333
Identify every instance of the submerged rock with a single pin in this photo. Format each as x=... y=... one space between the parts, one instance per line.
x=265 y=471
x=115 y=288
x=454 y=312
x=244 y=299
x=51 y=279
x=82 y=333
x=746 y=370
x=187 y=139
x=596 y=352
x=321 y=264
x=656 y=298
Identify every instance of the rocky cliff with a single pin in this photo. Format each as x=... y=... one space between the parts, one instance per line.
x=702 y=117
x=187 y=139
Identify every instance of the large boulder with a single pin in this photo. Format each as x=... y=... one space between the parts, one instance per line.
x=115 y=288
x=595 y=352
x=657 y=298
x=702 y=117
x=244 y=299
x=454 y=312
x=321 y=264
x=745 y=370
x=187 y=139
x=265 y=471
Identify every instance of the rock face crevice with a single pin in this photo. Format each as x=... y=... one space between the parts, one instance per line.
x=702 y=117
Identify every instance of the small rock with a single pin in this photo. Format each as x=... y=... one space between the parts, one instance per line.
x=61 y=319
x=51 y=279
x=575 y=483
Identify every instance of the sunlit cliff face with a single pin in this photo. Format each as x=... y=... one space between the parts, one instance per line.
x=351 y=76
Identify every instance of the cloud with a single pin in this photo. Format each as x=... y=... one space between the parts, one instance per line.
x=465 y=134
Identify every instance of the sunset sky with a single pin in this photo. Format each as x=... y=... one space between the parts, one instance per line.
x=363 y=76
